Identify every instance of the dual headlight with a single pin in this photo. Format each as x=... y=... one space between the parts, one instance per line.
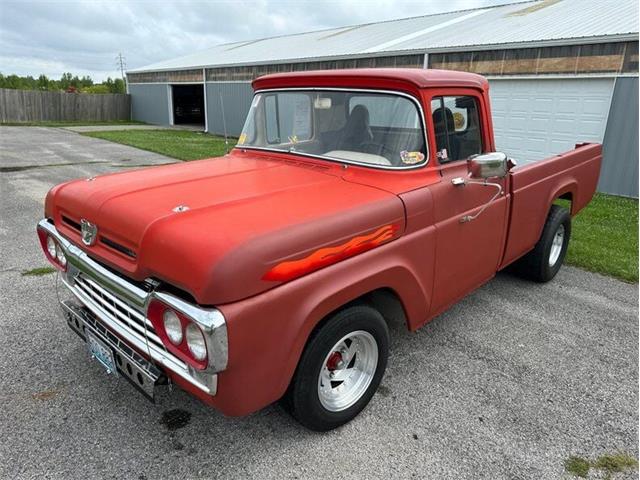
x=53 y=250
x=179 y=333
x=176 y=332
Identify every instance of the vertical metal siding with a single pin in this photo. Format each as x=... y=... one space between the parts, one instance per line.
x=619 y=175
x=150 y=103
x=236 y=98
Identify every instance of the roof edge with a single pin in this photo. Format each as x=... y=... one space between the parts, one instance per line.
x=387 y=53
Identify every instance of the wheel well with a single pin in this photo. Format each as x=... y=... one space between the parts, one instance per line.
x=565 y=200
x=384 y=300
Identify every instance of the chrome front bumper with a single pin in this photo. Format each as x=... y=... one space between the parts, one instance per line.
x=120 y=306
x=141 y=373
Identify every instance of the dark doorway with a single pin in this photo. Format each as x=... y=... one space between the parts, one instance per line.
x=188 y=104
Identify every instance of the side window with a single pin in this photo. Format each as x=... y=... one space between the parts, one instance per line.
x=287 y=118
x=456 y=122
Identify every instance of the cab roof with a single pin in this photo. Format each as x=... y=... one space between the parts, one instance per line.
x=400 y=78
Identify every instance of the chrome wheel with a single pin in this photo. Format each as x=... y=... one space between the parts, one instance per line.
x=556 y=246
x=347 y=371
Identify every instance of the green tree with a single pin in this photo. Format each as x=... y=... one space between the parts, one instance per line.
x=67 y=82
x=119 y=86
x=43 y=82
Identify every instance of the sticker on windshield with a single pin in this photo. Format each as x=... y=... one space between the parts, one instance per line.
x=411 y=158
x=242 y=138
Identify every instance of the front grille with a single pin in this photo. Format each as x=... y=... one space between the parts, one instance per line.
x=116 y=246
x=123 y=313
x=72 y=223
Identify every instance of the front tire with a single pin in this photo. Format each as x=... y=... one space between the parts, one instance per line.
x=543 y=262
x=340 y=369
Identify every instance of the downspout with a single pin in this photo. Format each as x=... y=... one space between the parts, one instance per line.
x=204 y=88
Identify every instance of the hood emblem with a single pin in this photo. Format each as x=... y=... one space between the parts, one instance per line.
x=89 y=232
x=180 y=208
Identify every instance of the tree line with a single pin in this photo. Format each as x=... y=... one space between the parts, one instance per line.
x=67 y=83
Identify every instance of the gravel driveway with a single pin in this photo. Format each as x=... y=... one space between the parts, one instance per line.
x=507 y=384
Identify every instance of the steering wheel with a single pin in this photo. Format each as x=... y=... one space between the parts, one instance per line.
x=378 y=149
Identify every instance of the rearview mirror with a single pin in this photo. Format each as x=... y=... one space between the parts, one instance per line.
x=489 y=165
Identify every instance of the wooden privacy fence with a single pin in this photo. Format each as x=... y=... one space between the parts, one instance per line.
x=35 y=106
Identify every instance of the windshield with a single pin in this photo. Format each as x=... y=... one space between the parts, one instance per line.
x=375 y=129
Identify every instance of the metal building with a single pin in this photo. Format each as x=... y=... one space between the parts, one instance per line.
x=561 y=71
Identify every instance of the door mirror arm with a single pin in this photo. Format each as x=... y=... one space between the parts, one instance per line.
x=459 y=181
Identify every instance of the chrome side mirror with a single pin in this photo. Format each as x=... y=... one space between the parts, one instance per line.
x=482 y=167
x=489 y=165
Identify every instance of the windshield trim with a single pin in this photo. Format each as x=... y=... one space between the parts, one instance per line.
x=339 y=160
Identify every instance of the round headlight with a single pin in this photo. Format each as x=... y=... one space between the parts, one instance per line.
x=172 y=326
x=195 y=342
x=51 y=247
x=62 y=258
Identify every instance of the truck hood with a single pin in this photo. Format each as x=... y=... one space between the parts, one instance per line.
x=226 y=228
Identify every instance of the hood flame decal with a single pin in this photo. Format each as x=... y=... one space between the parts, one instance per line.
x=326 y=256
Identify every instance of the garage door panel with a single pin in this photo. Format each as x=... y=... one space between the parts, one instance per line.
x=594 y=106
x=590 y=128
x=542 y=105
x=563 y=126
x=535 y=119
x=568 y=105
x=538 y=125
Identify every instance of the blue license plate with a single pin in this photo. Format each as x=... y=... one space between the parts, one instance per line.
x=101 y=352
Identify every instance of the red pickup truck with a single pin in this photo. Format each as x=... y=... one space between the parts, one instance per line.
x=351 y=198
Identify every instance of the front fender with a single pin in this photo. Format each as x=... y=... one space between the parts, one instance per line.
x=268 y=332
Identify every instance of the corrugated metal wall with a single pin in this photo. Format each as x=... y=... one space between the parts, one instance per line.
x=619 y=174
x=236 y=98
x=150 y=103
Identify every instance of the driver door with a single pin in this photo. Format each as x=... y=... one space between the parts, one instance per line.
x=467 y=253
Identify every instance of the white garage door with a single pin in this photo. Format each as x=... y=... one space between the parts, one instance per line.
x=534 y=119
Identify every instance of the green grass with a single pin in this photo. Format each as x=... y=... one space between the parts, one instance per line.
x=577 y=466
x=617 y=462
x=180 y=144
x=604 y=237
x=37 y=272
x=608 y=464
x=69 y=124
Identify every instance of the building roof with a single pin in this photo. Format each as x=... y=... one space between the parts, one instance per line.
x=371 y=78
x=517 y=24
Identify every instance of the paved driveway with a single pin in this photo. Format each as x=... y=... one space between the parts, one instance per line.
x=506 y=384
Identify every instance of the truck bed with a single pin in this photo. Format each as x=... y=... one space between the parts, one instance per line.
x=572 y=175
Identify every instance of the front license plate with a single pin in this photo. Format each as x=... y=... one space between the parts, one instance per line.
x=101 y=352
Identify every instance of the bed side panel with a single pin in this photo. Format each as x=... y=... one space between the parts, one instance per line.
x=537 y=185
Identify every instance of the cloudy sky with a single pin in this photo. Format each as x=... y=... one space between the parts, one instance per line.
x=84 y=37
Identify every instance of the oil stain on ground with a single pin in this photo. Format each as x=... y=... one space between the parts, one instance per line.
x=175 y=419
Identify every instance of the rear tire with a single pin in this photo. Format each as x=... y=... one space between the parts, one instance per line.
x=543 y=262
x=340 y=369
